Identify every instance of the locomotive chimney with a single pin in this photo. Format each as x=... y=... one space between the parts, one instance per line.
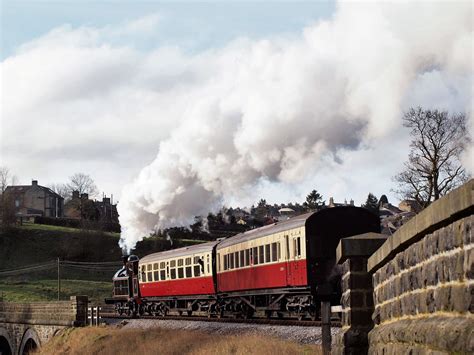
x=124 y=260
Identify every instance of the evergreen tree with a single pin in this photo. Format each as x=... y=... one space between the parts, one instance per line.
x=372 y=203
x=313 y=201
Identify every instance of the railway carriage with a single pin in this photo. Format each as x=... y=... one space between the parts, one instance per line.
x=288 y=267
x=180 y=279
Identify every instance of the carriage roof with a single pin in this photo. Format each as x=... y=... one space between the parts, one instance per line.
x=181 y=252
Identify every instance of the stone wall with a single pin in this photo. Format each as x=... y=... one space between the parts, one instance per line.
x=39 y=321
x=424 y=296
x=423 y=281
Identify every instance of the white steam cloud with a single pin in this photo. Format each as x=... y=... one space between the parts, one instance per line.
x=272 y=109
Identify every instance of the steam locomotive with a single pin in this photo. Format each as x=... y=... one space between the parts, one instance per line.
x=284 y=269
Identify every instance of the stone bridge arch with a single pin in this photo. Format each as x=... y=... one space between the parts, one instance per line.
x=6 y=345
x=29 y=342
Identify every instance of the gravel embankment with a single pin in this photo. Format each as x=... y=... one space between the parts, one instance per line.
x=304 y=335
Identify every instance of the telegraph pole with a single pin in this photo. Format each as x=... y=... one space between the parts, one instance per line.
x=59 y=281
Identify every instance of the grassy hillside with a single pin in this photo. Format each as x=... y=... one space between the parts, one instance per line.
x=36 y=243
x=166 y=341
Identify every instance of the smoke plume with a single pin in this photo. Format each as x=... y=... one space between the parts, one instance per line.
x=273 y=109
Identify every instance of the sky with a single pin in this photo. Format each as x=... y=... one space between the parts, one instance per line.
x=177 y=108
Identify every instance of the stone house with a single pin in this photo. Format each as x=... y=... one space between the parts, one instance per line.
x=35 y=200
x=80 y=206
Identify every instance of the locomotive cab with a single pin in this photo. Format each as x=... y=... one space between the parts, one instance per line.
x=125 y=282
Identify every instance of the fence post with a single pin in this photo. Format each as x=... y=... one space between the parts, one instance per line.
x=326 y=326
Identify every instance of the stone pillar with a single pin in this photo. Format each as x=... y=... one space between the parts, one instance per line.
x=79 y=306
x=357 y=292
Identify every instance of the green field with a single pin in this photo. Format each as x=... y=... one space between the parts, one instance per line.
x=48 y=228
x=47 y=290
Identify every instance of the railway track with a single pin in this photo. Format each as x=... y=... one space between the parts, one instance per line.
x=266 y=321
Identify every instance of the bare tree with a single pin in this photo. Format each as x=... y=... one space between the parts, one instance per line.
x=433 y=167
x=6 y=178
x=61 y=189
x=82 y=183
x=7 y=208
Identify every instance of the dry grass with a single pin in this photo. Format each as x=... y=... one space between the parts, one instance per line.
x=165 y=341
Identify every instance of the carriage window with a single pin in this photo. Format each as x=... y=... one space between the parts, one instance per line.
x=267 y=253
x=236 y=258
x=208 y=264
x=297 y=246
x=255 y=255
x=197 y=270
x=162 y=275
x=162 y=265
x=180 y=272
x=189 y=271
x=231 y=256
x=275 y=251
x=226 y=262
x=180 y=262
x=188 y=261
x=279 y=250
x=196 y=260
x=148 y=267
x=261 y=259
x=150 y=276
x=155 y=275
x=172 y=263
x=155 y=266
x=247 y=257
x=144 y=276
x=242 y=258
x=173 y=274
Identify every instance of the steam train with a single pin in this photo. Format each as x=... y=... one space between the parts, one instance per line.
x=284 y=269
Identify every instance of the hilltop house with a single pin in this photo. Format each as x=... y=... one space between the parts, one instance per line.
x=35 y=200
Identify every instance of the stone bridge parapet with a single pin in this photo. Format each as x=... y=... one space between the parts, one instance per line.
x=25 y=326
x=421 y=281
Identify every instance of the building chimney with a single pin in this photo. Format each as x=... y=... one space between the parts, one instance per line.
x=106 y=200
x=34 y=183
x=85 y=196
x=331 y=202
x=75 y=194
x=352 y=202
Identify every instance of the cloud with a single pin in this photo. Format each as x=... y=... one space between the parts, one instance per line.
x=227 y=123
